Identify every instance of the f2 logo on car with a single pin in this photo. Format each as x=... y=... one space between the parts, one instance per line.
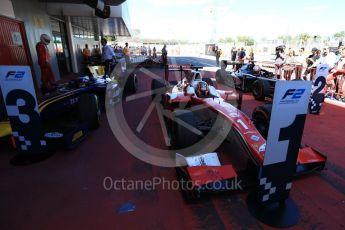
x=295 y=93
x=15 y=75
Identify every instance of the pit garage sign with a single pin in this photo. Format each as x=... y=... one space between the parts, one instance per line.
x=22 y=108
x=289 y=111
x=318 y=91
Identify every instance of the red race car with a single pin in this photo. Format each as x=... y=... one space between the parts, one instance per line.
x=202 y=119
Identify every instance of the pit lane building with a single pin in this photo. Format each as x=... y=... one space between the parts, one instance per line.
x=70 y=23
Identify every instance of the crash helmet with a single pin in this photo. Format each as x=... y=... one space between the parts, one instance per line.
x=256 y=69
x=202 y=88
x=45 y=39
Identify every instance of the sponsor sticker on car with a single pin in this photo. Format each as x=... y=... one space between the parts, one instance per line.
x=255 y=138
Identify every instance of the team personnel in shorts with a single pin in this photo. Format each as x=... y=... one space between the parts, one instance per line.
x=279 y=61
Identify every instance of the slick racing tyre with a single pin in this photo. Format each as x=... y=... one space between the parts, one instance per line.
x=261 y=118
x=182 y=136
x=261 y=89
x=131 y=83
x=89 y=110
x=158 y=88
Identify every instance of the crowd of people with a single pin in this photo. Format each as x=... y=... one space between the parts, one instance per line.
x=303 y=66
x=238 y=56
x=120 y=52
x=110 y=53
x=290 y=64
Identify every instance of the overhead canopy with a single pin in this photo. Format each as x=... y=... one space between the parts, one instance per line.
x=107 y=2
x=83 y=15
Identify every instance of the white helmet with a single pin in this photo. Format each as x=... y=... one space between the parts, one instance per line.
x=45 y=39
x=256 y=69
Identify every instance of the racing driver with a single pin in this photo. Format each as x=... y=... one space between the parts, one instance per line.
x=43 y=56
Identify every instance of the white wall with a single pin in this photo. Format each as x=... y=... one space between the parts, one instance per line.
x=6 y=8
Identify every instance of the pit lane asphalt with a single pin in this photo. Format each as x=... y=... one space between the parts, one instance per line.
x=196 y=61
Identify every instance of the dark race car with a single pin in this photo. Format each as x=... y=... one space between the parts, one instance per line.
x=69 y=111
x=245 y=76
x=198 y=116
x=250 y=77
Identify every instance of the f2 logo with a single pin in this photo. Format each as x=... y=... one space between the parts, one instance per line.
x=295 y=93
x=323 y=68
x=15 y=75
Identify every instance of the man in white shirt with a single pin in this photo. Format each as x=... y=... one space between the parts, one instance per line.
x=108 y=56
x=328 y=57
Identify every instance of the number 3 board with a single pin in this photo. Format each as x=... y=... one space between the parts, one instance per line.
x=21 y=104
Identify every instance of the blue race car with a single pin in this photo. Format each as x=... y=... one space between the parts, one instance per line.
x=70 y=110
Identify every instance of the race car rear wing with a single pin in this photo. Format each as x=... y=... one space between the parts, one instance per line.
x=176 y=67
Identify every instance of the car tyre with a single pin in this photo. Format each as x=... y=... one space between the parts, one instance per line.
x=158 y=87
x=261 y=118
x=261 y=89
x=131 y=83
x=89 y=110
x=182 y=137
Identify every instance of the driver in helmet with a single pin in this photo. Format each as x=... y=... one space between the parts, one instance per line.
x=202 y=89
x=188 y=77
x=47 y=76
x=256 y=70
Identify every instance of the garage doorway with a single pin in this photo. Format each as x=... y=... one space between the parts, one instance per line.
x=13 y=50
x=61 y=46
